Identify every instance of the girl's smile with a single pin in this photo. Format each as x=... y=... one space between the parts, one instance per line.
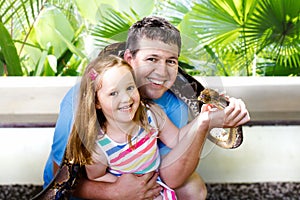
x=118 y=96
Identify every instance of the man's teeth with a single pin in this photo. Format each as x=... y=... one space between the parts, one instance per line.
x=156 y=81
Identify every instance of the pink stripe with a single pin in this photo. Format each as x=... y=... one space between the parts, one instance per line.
x=169 y=194
x=129 y=150
x=145 y=165
x=173 y=195
x=138 y=154
x=165 y=195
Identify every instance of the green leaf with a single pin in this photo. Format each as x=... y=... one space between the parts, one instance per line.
x=94 y=10
x=40 y=65
x=50 y=66
x=69 y=44
x=50 y=26
x=141 y=7
x=10 y=54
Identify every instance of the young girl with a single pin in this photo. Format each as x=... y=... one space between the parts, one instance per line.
x=114 y=130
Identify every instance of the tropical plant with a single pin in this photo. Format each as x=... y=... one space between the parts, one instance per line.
x=42 y=38
x=220 y=37
x=52 y=37
x=249 y=37
x=229 y=37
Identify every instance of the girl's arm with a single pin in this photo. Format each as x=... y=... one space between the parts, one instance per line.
x=94 y=173
x=168 y=132
x=183 y=159
x=97 y=170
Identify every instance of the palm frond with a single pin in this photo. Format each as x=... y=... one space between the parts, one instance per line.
x=275 y=26
x=113 y=28
x=178 y=8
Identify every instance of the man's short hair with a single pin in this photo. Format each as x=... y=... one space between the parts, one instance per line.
x=153 y=28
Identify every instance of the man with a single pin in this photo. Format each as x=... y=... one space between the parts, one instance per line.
x=152 y=48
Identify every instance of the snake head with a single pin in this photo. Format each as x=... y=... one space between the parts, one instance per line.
x=209 y=96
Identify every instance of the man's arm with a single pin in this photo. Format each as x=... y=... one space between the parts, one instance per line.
x=127 y=186
x=183 y=159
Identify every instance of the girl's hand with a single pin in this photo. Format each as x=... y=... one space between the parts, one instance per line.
x=235 y=114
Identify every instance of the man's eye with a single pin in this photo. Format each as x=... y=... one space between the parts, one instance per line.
x=151 y=59
x=172 y=62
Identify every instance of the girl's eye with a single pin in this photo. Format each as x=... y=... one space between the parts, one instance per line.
x=113 y=94
x=130 y=88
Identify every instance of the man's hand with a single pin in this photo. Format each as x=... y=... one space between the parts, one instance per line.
x=137 y=187
x=127 y=186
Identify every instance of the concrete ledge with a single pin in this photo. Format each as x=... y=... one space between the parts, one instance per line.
x=35 y=100
x=267 y=98
x=32 y=99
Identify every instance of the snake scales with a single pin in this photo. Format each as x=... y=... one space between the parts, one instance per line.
x=187 y=89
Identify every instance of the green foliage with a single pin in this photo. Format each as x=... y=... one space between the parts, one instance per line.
x=219 y=37
x=241 y=32
x=9 y=56
x=41 y=33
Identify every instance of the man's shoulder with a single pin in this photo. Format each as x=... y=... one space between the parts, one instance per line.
x=169 y=101
x=170 y=97
x=71 y=94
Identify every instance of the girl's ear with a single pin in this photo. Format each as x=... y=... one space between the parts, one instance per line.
x=97 y=104
x=128 y=56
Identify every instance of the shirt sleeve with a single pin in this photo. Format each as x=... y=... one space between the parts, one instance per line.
x=177 y=111
x=63 y=126
x=61 y=134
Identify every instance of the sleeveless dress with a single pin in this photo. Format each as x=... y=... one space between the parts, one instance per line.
x=140 y=157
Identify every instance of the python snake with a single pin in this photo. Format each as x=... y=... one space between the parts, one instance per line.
x=226 y=138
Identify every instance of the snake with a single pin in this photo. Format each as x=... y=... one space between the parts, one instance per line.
x=185 y=87
x=226 y=138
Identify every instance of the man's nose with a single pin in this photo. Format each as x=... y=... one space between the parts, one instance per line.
x=161 y=68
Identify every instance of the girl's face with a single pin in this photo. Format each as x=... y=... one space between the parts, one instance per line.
x=118 y=96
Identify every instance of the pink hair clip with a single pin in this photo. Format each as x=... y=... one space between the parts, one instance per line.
x=93 y=74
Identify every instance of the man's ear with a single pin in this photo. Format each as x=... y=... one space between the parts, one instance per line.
x=128 y=56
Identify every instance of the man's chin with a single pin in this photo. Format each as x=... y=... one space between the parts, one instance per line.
x=152 y=94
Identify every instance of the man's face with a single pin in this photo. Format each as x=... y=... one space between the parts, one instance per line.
x=155 y=65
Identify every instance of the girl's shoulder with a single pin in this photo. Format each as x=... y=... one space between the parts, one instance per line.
x=157 y=115
x=154 y=108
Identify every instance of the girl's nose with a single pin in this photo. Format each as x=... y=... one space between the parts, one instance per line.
x=126 y=96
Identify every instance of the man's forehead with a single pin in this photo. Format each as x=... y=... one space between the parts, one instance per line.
x=158 y=45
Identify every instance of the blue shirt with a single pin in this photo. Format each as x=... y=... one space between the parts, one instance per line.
x=176 y=110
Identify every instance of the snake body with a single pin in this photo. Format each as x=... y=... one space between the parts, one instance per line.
x=226 y=138
x=187 y=88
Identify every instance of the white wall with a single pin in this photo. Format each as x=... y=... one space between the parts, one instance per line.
x=267 y=154
x=23 y=154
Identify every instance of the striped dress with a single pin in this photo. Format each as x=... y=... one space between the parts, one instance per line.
x=140 y=158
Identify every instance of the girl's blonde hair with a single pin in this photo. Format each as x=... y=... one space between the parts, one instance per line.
x=88 y=119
